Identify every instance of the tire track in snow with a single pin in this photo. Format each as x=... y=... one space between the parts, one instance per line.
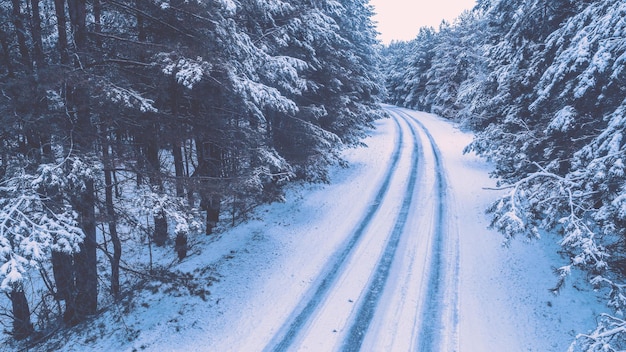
x=439 y=312
x=289 y=331
x=369 y=303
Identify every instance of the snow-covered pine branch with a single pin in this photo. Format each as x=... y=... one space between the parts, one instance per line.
x=29 y=229
x=609 y=336
x=150 y=203
x=187 y=72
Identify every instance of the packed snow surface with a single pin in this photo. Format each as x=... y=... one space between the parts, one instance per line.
x=393 y=255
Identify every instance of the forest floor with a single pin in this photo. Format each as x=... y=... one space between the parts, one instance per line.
x=393 y=255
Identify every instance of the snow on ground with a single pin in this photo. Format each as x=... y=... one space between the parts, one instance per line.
x=265 y=266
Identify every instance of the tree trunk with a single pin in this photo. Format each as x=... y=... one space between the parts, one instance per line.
x=22 y=327
x=209 y=165
x=63 y=271
x=20 y=34
x=177 y=152
x=35 y=30
x=78 y=13
x=6 y=54
x=141 y=31
x=211 y=204
x=97 y=17
x=180 y=245
x=179 y=168
x=160 y=229
x=152 y=157
x=86 y=259
x=117 y=244
x=59 y=8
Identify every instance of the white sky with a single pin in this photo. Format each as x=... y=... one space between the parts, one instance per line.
x=402 y=19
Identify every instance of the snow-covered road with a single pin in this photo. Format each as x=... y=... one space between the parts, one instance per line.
x=396 y=269
x=393 y=255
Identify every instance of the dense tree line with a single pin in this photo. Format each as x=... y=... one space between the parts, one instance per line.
x=125 y=117
x=543 y=84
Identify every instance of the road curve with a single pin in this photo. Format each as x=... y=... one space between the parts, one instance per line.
x=392 y=285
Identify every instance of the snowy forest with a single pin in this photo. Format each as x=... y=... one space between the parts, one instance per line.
x=144 y=122
x=542 y=83
x=147 y=123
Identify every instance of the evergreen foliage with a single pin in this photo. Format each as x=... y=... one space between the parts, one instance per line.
x=127 y=121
